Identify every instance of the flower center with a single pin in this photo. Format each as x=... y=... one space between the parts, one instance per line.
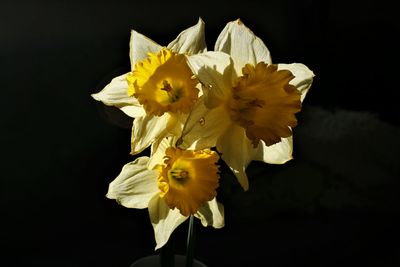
x=188 y=178
x=264 y=103
x=163 y=82
x=178 y=175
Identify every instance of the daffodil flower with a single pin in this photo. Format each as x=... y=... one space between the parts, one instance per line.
x=249 y=104
x=173 y=184
x=160 y=88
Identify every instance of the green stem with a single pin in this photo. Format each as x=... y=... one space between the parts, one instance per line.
x=167 y=257
x=190 y=243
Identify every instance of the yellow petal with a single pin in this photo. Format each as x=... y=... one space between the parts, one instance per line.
x=211 y=213
x=237 y=152
x=146 y=130
x=158 y=150
x=116 y=94
x=140 y=45
x=204 y=126
x=190 y=41
x=303 y=77
x=278 y=153
x=135 y=185
x=215 y=71
x=242 y=45
x=164 y=220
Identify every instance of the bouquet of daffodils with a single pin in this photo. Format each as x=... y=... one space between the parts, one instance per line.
x=193 y=107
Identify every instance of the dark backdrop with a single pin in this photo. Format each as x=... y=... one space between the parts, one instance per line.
x=335 y=204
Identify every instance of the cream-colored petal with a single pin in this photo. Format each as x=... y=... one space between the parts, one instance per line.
x=303 y=76
x=237 y=152
x=139 y=46
x=146 y=130
x=163 y=219
x=204 y=126
x=278 y=153
x=211 y=213
x=215 y=72
x=158 y=150
x=135 y=185
x=244 y=47
x=190 y=41
x=116 y=94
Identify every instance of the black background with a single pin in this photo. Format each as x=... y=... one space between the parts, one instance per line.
x=335 y=204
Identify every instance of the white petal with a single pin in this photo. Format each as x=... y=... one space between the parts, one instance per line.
x=146 y=130
x=244 y=47
x=158 y=150
x=163 y=219
x=190 y=41
x=211 y=213
x=215 y=72
x=135 y=185
x=116 y=94
x=303 y=76
x=278 y=153
x=237 y=152
x=139 y=46
x=204 y=126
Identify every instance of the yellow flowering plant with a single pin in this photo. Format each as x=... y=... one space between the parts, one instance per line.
x=173 y=184
x=193 y=108
x=159 y=89
x=249 y=104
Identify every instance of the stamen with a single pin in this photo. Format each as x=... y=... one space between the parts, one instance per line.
x=167 y=87
x=179 y=174
x=174 y=95
x=163 y=82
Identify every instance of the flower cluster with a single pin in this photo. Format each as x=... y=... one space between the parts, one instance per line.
x=193 y=107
